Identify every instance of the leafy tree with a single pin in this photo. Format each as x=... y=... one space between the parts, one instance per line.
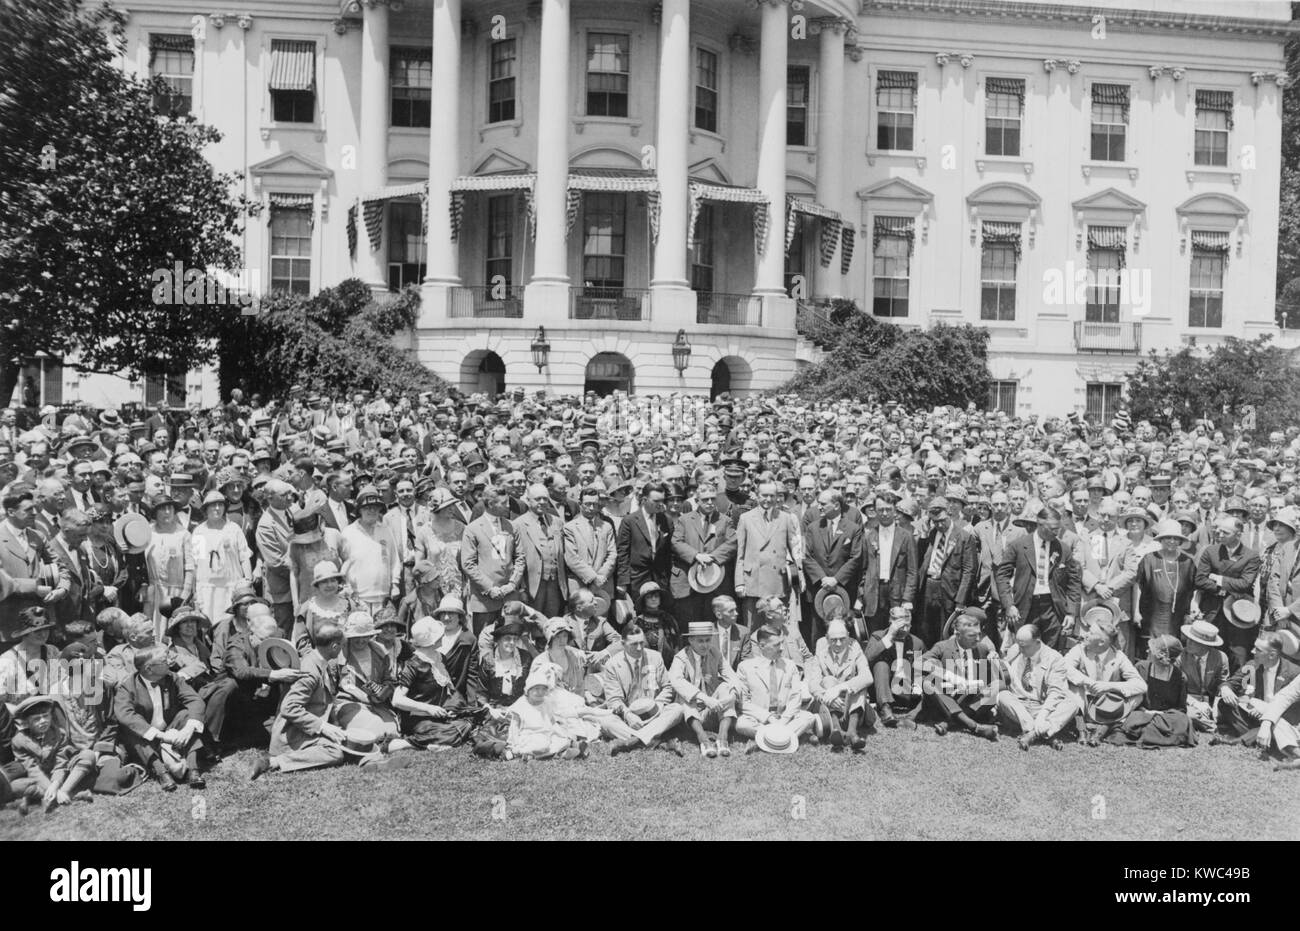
x=97 y=192
x=1288 y=234
x=871 y=359
x=1189 y=385
x=340 y=340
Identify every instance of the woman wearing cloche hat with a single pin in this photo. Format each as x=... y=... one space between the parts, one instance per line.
x=1166 y=581
x=221 y=556
x=439 y=690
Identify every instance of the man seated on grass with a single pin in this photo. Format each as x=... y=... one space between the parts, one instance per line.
x=705 y=686
x=303 y=736
x=160 y=720
x=771 y=687
x=1036 y=702
x=961 y=678
x=771 y=612
x=638 y=695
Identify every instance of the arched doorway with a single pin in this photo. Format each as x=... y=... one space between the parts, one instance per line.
x=484 y=372
x=608 y=372
x=730 y=373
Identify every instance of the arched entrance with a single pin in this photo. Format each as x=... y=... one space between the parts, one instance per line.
x=608 y=372
x=731 y=373
x=483 y=372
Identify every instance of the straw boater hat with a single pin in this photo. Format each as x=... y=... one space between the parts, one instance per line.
x=700 y=629
x=1203 y=632
x=776 y=738
x=1242 y=613
x=359 y=741
x=831 y=599
x=132 y=533
x=705 y=578
x=277 y=653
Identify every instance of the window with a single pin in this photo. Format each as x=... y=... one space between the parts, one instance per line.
x=895 y=110
x=1103 y=402
x=1209 y=259
x=291 y=249
x=891 y=266
x=411 y=80
x=603 y=243
x=607 y=74
x=1002 y=397
x=501 y=81
x=1109 y=121
x=172 y=384
x=1004 y=102
x=706 y=90
x=1213 y=122
x=797 y=81
x=998 y=281
x=405 y=245
x=1106 y=247
x=702 y=251
x=293 y=81
x=500 y=243
x=172 y=59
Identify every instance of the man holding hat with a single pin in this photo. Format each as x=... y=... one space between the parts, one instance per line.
x=28 y=571
x=771 y=688
x=1205 y=670
x=965 y=669
x=638 y=693
x=704 y=548
x=1225 y=574
x=839 y=678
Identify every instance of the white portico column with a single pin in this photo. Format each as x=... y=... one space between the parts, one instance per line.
x=444 y=147
x=373 y=150
x=547 y=292
x=674 y=302
x=770 y=266
x=830 y=140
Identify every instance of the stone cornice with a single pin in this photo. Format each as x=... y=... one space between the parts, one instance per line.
x=1048 y=14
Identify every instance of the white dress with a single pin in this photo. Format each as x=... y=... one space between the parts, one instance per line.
x=221 y=558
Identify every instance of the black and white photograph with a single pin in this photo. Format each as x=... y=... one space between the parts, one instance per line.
x=730 y=420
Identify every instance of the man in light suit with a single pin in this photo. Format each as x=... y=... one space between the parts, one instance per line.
x=703 y=536
x=644 y=540
x=706 y=687
x=303 y=736
x=1226 y=571
x=37 y=576
x=1048 y=598
x=492 y=560
x=771 y=688
x=84 y=586
x=590 y=552
x=832 y=556
x=633 y=679
x=1036 y=702
x=540 y=534
x=768 y=545
x=946 y=567
x=889 y=566
x=732 y=635
x=273 y=533
x=407 y=520
x=1265 y=677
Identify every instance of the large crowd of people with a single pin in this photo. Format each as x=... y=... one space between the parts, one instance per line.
x=357 y=580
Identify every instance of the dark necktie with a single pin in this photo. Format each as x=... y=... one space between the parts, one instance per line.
x=410 y=529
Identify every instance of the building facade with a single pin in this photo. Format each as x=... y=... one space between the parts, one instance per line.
x=619 y=179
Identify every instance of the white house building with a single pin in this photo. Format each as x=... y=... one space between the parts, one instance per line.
x=590 y=185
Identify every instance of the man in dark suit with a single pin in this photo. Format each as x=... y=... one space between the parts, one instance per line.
x=84 y=586
x=645 y=543
x=894 y=656
x=701 y=536
x=1225 y=571
x=832 y=556
x=889 y=566
x=965 y=667
x=732 y=635
x=1038 y=580
x=339 y=510
x=1248 y=691
x=37 y=576
x=946 y=569
x=160 y=720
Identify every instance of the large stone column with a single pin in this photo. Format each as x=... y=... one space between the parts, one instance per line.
x=372 y=162
x=674 y=302
x=547 y=293
x=770 y=266
x=830 y=141
x=443 y=270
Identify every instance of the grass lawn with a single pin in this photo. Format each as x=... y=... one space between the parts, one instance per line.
x=907 y=785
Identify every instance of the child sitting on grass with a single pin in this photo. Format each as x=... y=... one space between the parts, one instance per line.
x=55 y=767
x=534 y=731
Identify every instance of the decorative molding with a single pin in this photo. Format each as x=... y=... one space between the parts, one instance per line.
x=1173 y=71
x=1031 y=225
x=245 y=21
x=324 y=199
x=966 y=59
x=833 y=24
x=1280 y=78
x=217 y=20
x=941 y=58
x=974 y=211
x=1194 y=174
x=1071 y=65
x=855 y=52
x=1087 y=171
x=1049 y=65
x=921 y=162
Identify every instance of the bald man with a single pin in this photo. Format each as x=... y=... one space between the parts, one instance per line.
x=1035 y=703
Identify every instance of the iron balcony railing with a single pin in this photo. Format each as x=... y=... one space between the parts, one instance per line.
x=1123 y=336
x=591 y=303
x=491 y=301
x=712 y=307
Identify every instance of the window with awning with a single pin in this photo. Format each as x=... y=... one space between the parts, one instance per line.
x=828 y=220
x=702 y=192
x=611 y=181
x=293 y=81
x=523 y=182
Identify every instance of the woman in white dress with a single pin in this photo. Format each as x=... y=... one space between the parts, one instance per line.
x=169 y=561
x=221 y=557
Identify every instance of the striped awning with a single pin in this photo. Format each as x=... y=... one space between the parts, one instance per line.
x=525 y=181
x=1014 y=87
x=896 y=80
x=293 y=65
x=1002 y=233
x=848 y=236
x=704 y=192
x=171 y=43
x=1107 y=237
x=830 y=225
x=1215 y=100
x=1210 y=241
x=615 y=180
x=1115 y=95
x=900 y=227
x=291 y=201
x=392 y=191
